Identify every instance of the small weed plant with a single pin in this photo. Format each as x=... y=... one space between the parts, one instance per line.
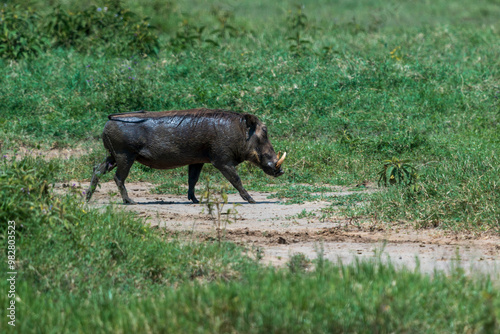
x=297 y=25
x=397 y=172
x=298 y=263
x=215 y=199
x=189 y=35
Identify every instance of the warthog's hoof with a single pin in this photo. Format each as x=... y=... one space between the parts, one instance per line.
x=128 y=201
x=193 y=198
x=247 y=198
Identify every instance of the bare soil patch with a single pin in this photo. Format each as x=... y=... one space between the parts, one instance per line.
x=278 y=231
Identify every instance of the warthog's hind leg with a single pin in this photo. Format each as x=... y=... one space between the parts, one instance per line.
x=124 y=162
x=194 y=175
x=99 y=170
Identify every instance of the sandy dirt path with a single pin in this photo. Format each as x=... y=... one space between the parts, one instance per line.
x=278 y=231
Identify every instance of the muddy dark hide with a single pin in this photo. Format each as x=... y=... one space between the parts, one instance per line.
x=172 y=139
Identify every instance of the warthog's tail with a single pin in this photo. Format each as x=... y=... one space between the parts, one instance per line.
x=128 y=117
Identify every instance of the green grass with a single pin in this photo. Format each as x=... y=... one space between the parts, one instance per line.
x=411 y=80
x=361 y=298
x=85 y=270
x=82 y=269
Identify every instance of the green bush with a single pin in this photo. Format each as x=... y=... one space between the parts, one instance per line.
x=24 y=194
x=19 y=33
x=397 y=172
x=114 y=31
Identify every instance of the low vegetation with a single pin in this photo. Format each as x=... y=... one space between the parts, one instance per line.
x=81 y=270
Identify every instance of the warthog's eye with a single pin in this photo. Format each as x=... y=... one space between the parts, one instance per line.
x=264 y=134
x=267 y=157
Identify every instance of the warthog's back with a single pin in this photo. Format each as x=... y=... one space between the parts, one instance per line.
x=201 y=113
x=170 y=139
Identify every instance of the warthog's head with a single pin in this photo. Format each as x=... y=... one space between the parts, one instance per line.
x=261 y=152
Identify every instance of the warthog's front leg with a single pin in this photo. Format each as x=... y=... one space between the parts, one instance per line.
x=232 y=176
x=194 y=175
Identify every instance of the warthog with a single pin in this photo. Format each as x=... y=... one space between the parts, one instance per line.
x=171 y=139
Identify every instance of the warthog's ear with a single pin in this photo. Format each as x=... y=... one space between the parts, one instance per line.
x=251 y=123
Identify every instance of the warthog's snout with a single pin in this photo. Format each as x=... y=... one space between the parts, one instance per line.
x=278 y=171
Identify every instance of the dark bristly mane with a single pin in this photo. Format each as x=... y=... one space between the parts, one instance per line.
x=140 y=116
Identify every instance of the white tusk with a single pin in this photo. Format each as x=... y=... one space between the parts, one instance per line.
x=280 y=161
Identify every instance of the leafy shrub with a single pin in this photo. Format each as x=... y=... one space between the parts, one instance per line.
x=215 y=200
x=65 y=28
x=225 y=29
x=19 y=36
x=189 y=35
x=119 y=31
x=24 y=192
x=397 y=171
